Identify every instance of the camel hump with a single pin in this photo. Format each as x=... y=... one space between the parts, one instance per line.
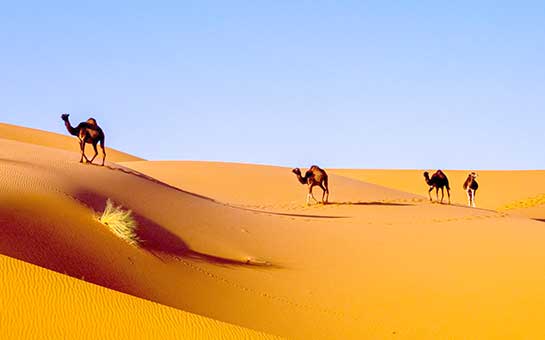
x=440 y=174
x=92 y=121
x=315 y=168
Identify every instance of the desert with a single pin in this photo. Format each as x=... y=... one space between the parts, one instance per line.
x=232 y=250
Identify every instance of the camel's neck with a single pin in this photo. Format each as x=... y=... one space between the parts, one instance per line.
x=301 y=179
x=73 y=131
x=428 y=181
x=467 y=183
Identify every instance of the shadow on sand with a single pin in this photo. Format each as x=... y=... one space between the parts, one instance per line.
x=286 y=214
x=164 y=244
x=391 y=204
x=539 y=219
x=387 y=204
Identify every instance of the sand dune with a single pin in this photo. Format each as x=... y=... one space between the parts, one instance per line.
x=518 y=192
x=258 y=186
x=236 y=243
x=57 y=141
x=39 y=304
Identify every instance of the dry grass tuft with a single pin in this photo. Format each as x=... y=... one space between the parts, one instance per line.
x=120 y=222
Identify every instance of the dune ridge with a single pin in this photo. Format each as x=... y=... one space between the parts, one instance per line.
x=55 y=140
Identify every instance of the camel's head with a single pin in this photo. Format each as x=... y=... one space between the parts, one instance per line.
x=426 y=174
x=65 y=116
x=302 y=179
x=473 y=175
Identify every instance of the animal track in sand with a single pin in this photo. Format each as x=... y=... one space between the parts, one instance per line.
x=278 y=299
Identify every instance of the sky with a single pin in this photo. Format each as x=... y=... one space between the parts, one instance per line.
x=366 y=84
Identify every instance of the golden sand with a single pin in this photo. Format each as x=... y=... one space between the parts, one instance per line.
x=513 y=191
x=57 y=141
x=235 y=243
x=40 y=304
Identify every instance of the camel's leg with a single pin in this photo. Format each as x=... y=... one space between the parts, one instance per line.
x=468 y=197
x=323 y=194
x=473 y=196
x=103 y=154
x=103 y=151
x=96 y=152
x=448 y=193
x=326 y=191
x=437 y=194
x=82 y=145
x=82 y=149
x=429 y=193
x=442 y=194
x=311 y=194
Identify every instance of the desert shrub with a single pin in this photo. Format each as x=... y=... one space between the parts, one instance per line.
x=120 y=222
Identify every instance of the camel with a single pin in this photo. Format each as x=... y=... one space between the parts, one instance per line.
x=314 y=176
x=471 y=186
x=87 y=132
x=438 y=181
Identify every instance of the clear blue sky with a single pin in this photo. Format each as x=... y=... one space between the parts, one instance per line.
x=421 y=84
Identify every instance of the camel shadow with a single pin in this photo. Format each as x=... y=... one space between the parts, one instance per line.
x=164 y=244
x=539 y=219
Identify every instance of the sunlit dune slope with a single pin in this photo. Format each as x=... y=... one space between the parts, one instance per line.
x=36 y=303
x=259 y=186
x=520 y=192
x=378 y=263
x=57 y=141
x=426 y=258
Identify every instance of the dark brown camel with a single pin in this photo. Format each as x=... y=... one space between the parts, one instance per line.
x=315 y=176
x=87 y=132
x=438 y=181
x=471 y=186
